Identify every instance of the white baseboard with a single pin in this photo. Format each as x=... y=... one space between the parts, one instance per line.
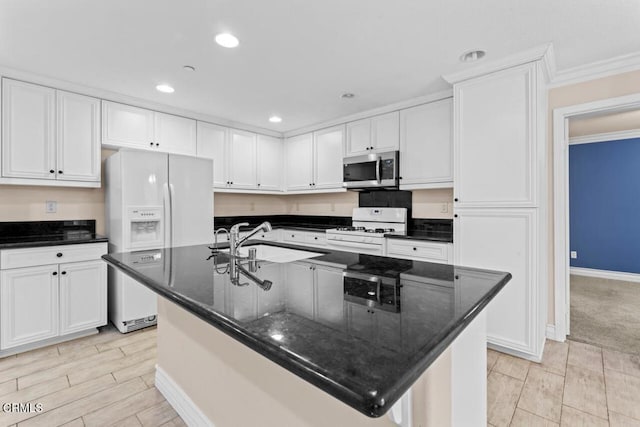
x=605 y=274
x=178 y=399
x=551 y=334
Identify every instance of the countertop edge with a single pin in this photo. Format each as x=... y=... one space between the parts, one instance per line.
x=19 y=245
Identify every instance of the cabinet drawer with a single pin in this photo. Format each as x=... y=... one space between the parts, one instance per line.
x=422 y=251
x=316 y=239
x=26 y=257
x=294 y=236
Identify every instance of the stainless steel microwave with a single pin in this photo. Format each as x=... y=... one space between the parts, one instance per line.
x=376 y=170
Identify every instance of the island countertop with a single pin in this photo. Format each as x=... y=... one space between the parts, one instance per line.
x=362 y=328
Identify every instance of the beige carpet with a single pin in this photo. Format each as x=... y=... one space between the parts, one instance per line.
x=606 y=313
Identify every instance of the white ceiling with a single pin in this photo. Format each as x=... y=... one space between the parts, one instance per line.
x=296 y=57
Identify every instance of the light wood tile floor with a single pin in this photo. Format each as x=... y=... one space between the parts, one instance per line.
x=102 y=380
x=575 y=385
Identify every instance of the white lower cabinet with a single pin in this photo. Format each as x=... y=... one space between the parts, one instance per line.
x=29 y=304
x=83 y=292
x=42 y=302
x=420 y=250
x=505 y=240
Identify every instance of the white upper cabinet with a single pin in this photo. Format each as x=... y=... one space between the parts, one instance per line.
x=426 y=146
x=212 y=143
x=495 y=139
x=374 y=134
x=28 y=130
x=300 y=162
x=127 y=126
x=175 y=134
x=359 y=137
x=242 y=159
x=270 y=162
x=385 y=132
x=49 y=135
x=78 y=137
x=328 y=153
x=133 y=127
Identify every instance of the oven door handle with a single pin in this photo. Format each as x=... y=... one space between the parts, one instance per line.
x=378 y=164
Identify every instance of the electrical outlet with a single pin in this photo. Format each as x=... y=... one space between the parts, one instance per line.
x=51 y=206
x=444 y=208
x=574 y=254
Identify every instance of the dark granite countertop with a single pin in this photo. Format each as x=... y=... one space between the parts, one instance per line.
x=365 y=351
x=28 y=234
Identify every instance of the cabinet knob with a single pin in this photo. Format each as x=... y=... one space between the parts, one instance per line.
x=63 y=273
x=315 y=238
x=52 y=171
x=55 y=273
x=231 y=183
x=455 y=215
x=59 y=254
x=157 y=144
x=258 y=185
x=60 y=172
x=151 y=143
x=399 y=177
x=415 y=249
x=370 y=148
x=455 y=200
x=293 y=235
x=456 y=277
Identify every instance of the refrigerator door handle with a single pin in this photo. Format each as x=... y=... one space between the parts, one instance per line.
x=166 y=201
x=172 y=196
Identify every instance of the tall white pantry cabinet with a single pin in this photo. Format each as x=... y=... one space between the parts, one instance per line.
x=500 y=175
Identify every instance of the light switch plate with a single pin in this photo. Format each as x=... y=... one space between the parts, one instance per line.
x=51 y=206
x=574 y=254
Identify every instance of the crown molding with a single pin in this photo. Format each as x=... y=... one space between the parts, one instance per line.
x=372 y=112
x=596 y=70
x=542 y=53
x=130 y=100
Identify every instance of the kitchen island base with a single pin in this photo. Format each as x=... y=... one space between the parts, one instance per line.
x=212 y=379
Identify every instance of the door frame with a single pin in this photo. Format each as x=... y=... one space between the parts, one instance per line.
x=561 y=240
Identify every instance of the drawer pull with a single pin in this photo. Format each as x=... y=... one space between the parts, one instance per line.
x=63 y=273
x=59 y=254
x=316 y=238
x=55 y=273
x=415 y=249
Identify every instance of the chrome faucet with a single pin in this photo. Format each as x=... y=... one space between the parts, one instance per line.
x=234 y=235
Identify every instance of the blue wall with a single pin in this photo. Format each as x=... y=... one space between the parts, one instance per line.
x=604 y=205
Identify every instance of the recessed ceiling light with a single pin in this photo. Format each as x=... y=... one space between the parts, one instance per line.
x=165 y=88
x=275 y=119
x=472 y=55
x=347 y=95
x=188 y=68
x=227 y=40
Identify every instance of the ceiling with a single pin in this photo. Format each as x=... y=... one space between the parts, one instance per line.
x=296 y=57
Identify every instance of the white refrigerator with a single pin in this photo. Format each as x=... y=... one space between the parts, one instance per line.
x=153 y=201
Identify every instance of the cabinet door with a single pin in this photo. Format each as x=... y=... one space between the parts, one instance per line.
x=329 y=149
x=29 y=305
x=299 y=294
x=330 y=297
x=78 y=137
x=127 y=126
x=28 y=130
x=426 y=146
x=360 y=321
x=212 y=144
x=504 y=240
x=385 y=132
x=359 y=137
x=175 y=134
x=269 y=160
x=300 y=162
x=494 y=139
x=242 y=164
x=83 y=296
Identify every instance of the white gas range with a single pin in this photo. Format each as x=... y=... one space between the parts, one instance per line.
x=369 y=226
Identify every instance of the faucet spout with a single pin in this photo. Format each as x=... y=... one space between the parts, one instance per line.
x=235 y=241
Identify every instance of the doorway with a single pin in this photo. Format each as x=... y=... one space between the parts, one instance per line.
x=585 y=285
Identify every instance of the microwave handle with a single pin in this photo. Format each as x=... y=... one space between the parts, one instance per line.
x=378 y=161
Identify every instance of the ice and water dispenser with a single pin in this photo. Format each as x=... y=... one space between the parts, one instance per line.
x=145 y=227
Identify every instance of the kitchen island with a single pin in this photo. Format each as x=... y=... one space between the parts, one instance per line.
x=317 y=338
